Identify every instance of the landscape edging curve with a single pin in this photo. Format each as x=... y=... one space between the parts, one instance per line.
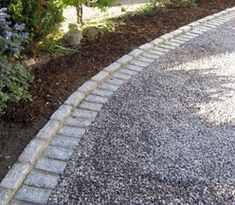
x=19 y=183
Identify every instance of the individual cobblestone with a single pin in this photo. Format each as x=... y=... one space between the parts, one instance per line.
x=33 y=150
x=176 y=32
x=174 y=43
x=77 y=122
x=145 y=59
x=181 y=42
x=83 y=113
x=128 y=72
x=65 y=142
x=75 y=132
x=168 y=47
x=41 y=180
x=101 y=76
x=115 y=81
x=156 y=53
x=209 y=26
x=136 y=52
x=50 y=165
x=183 y=38
x=50 y=129
x=103 y=93
x=58 y=153
x=122 y=76
x=5 y=195
x=134 y=67
x=113 y=67
x=63 y=112
x=146 y=46
x=196 y=32
x=139 y=63
x=185 y=28
x=88 y=87
x=125 y=59
x=97 y=99
x=75 y=99
x=33 y=194
x=157 y=41
x=167 y=36
x=151 y=56
x=15 y=176
x=108 y=86
x=160 y=49
x=91 y=106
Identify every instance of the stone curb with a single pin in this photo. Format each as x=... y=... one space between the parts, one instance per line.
x=36 y=173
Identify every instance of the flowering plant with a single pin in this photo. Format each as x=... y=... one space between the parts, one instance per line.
x=14 y=78
x=11 y=36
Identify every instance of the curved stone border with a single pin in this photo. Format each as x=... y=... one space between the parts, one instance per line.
x=37 y=171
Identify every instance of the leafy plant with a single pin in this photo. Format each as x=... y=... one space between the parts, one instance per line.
x=40 y=16
x=14 y=82
x=55 y=47
x=93 y=30
x=14 y=78
x=78 y=4
x=11 y=36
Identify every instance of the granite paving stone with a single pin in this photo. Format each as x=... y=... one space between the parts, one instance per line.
x=97 y=99
x=58 y=153
x=41 y=180
x=50 y=165
x=66 y=142
x=76 y=132
x=77 y=122
x=33 y=194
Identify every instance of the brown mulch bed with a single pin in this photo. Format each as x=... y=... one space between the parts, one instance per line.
x=57 y=79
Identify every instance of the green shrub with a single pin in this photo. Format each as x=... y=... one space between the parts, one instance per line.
x=40 y=16
x=94 y=30
x=11 y=35
x=101 y=4
x=14 y=82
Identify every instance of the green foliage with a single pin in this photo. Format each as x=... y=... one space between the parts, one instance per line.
x=101 y=4
x=14 y=82
x=55 y=47
x=11 y=35
x=146 y=8
x=40 y=16
x=93 y=30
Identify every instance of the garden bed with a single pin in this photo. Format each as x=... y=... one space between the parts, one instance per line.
x=61 y=76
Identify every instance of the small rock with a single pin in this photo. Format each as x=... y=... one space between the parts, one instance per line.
x=28 y=63
x=74 y=36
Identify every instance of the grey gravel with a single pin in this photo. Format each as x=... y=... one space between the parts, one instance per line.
x=165 y=137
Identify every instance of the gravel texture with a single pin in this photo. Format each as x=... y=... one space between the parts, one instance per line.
x=166 y=137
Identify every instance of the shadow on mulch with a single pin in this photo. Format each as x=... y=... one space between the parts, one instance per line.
x=58 y=78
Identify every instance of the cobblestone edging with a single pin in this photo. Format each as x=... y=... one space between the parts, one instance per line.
x=36 y=173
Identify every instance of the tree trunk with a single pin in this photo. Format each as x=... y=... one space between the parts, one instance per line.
x=79 y=10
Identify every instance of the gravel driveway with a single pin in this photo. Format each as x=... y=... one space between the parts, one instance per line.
x=166 y=137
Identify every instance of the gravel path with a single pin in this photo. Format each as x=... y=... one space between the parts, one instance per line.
x=166 y=137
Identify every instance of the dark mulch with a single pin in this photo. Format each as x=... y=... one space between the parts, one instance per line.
x=58 y=78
